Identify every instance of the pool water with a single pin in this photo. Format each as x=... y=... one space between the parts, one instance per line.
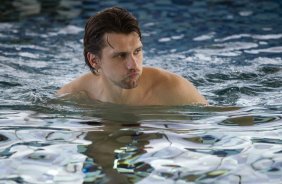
x=231 y=50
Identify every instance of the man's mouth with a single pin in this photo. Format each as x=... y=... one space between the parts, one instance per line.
x=133 y=74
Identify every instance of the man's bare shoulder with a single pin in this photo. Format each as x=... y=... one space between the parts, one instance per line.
x=163 y=78
x=77 y=85
x=173 y=89
x=157 y=73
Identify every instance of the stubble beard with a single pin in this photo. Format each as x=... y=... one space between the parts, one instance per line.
x=129 y=83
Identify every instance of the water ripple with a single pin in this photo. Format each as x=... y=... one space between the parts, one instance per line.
x=258 y=37
x=47 y=140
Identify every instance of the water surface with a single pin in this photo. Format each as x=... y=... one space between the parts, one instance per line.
x=231 y=50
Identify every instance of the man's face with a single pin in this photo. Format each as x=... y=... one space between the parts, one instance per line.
x=121 y=59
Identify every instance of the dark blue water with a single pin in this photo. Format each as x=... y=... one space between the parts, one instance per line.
x=231 y=50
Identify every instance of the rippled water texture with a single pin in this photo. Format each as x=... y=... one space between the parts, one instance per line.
x=231 y=50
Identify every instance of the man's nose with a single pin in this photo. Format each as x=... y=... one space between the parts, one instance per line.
x=131 y=62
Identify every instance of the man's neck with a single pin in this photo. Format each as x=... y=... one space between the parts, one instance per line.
x=115 y=94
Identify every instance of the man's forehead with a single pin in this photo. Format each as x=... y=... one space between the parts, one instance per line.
x=117 y=40
x=114 y=34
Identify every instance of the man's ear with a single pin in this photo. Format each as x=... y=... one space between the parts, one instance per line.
x=93 y=60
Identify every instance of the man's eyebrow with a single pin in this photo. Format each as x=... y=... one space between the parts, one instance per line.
x=119 y=53
x=140 y=47
x=124 y=52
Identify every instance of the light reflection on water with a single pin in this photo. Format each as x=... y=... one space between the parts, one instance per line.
x=231 y=50
x=190 y=144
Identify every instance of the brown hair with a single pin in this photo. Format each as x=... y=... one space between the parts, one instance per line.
x=111 y=20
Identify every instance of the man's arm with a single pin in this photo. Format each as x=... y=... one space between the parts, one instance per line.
x=66 y=89
x=189 y=94
x=75 y=86
x=176 y=90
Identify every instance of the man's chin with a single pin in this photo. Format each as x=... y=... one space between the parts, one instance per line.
x=129 y=84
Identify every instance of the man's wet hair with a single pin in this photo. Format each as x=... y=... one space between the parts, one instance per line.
x=110 y=20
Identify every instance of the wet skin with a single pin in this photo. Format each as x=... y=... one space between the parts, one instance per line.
x=122 y=78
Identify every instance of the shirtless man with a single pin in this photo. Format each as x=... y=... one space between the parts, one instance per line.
x=113 y=52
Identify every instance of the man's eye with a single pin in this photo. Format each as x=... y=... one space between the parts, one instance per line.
x=137 y=51
x=122 y=56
